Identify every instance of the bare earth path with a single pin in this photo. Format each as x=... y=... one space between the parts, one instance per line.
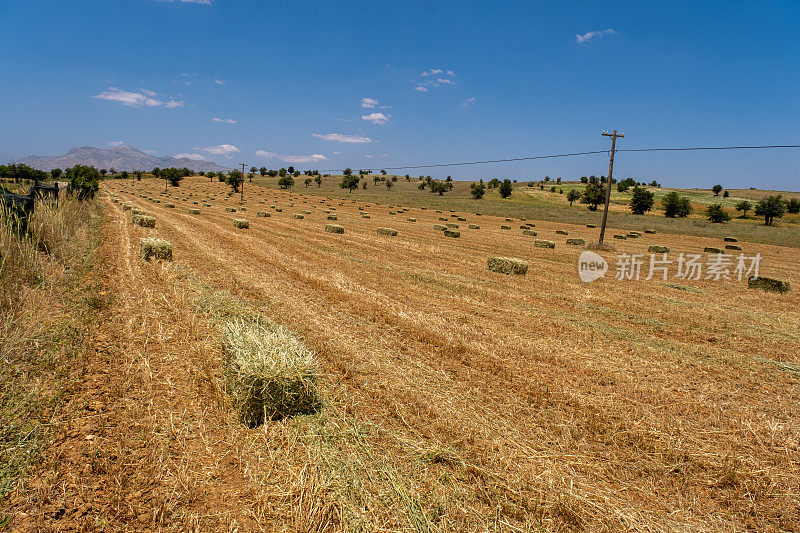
x=455 y=398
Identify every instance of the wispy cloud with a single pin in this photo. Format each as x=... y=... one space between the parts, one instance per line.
x=588 y=36
x=116 y=143
x=219 y=81
x=193 y=157
x=435 y=77
x=377 y=118
x=337 y=153
x=467 y=102
x=369 y=102
x=264 y=153
x=224 y=120
x=421 y=89
x=151 y=152
x=201 y=2
x=222 y=149
x=342 y=138
x=293 y=159
x=141 y=98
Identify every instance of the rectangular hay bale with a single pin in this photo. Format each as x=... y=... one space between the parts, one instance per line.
x=155 y=248
x=334 y=228
x=507 y=265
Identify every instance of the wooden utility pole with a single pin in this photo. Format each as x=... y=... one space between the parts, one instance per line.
x=241 y=191
x=608 y=180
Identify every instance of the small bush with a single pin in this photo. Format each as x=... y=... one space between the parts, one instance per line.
x=451 y=225
x=591 y=225
x=411 y=219
x=507 y=265
x=155 y=248
x=387 y=231
x=230 y=210
x=241 y=223
x=334 y=228
x=439 y=227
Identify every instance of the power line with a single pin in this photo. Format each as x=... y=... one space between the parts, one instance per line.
x=530 y=158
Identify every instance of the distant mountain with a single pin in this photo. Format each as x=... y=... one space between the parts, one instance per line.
x=119 y=158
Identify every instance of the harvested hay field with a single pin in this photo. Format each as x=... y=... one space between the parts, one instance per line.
x=452 y=398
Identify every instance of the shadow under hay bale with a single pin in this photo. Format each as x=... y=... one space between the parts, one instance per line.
x=269 y=373
x=155 y=248
x=241 y=223
x=507 y=265
x=656 y=249
x=387 y=231
x=334 y=228
x=769 y=284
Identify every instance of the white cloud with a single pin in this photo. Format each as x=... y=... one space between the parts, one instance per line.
x=369 y=102
x=151 y=152
x=337 y=153
x=377 y=118
x=222 y=149
x=421 y=89
x=433 y=72
x=116 y=143
x=342 y=138
x=435 y=77
x=467 y=102
x=264 y=153
x=295 y=159
x=585 y=37
x=444 y=81
x=225 y=120
x=136 y=99
x=201 y=2
x=219 y=81
x=368 y=156
x=193 y=157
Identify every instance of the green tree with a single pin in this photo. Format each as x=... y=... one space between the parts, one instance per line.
x=593 y=194
x=477 y=190
x=676 y=206
x=172 y=175
x=726 y=194
x=641 y=201
x=286 y=182
x=493 y=183
x=282 y=172
x=744 y=206
x=308 y=181
x=83 y=179
x=290 y=170
x=573 y=195
x=56 y=173
x=318 y=180
x=262 y=171
x=389 y=184
x=793 y=206
x=103 y=172
x=235 y=179
x=505 y=188
x=770 y=207
x=716 y=214
x=347 y=172
x=716 y=189
x=350 y=182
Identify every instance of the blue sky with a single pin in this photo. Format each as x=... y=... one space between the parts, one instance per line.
x=416 y=82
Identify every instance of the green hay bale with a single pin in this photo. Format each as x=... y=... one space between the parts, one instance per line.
x=657 y=249
x=439 y=227
x=387 y=231
x=561 y=232
x=443 y=219
x=507 y=265
x=712 y=250
x=591 y=225
x=635 y=233
x=576 y=242
x=333 y=217
x=230 y=210
x=544 y=244
x=730 y=239
x=769 y=284
x=156 y=248
x=529 y=233
x=241 y=223
x=334 y=228
x=452 y=233
x=462 y=219
x=411 y=219
x=298 y=216
x=268 y=372
x=144 y=221
x=650 y=231
x=451 y=225
x=171 y=206
x=474 y=226
x=620 y=237
x=732 y=247
x=505 y=227
x=632 y=235
x=194 y=211
x=262 y=214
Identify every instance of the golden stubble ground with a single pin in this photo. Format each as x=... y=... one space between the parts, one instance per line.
x=455 y=398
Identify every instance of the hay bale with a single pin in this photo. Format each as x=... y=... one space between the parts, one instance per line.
x=505 y=227
x=145 y=221
x=126 y=207
x=156 y=248
x=262 y=214
x=443 y=219
x=462 y=219
x=730 y=239
x=632 y=235
x=365 y=216
x=278 y=210
x=561 y=232
x=439 y=227
x=171 y=206
x=507 y=265
x=529 y=233
x=194 y=211
x=298 y=216
x=306 y=212
x=544 y=244
x=576 y=242
x=411 y=219
x=474 y=226
x=769 y=284
x=650 y=231
x=241 y=223
x=452 y=233
x=712 y=250
x=732 y=247
x=591 y=225
x=451 y=225
x=620 y=237
x=269 y=373
x=334 y=228
x=387 y=231
x=657 y=249
x=333 y=217
x=230 y=210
